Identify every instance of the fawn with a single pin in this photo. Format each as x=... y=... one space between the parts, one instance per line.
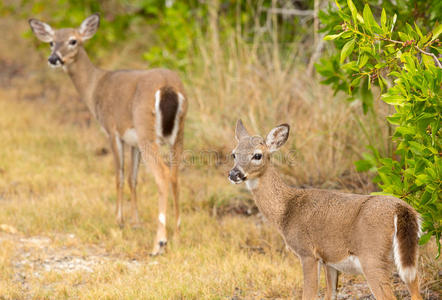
x=139 y=108
x=350 y=233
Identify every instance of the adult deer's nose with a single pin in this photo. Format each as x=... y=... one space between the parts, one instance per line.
x=53 y=59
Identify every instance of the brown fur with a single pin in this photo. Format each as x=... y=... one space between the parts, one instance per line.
x=327 y=227
x=124 y=101
x=168 y=108
x=407 y=234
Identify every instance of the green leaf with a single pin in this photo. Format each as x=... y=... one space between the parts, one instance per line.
x=347 y=49
x=363 y=60
x=404 y=37
x=393 y=22
x=393 y=99
x=333 y=36
x=425 y=238
x=436 y=32
x=394 y=119
x=363 y=165
x=418 y=31
x=384 y=20
x=370 y=22
x=354 y=12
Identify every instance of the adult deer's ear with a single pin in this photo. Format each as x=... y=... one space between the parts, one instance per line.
x=240 y=130
x=89 y=26
x=42 y=31
x=277 y=137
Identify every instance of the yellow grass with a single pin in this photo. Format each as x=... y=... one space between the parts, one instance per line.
x=53 y=185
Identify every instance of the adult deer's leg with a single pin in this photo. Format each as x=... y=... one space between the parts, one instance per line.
x=151 y=156
x=132 y=178
x=176 y=152
x=310 y=270
x=331 y=276
x=118 y=152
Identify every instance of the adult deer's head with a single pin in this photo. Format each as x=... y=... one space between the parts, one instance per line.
x=65 y=42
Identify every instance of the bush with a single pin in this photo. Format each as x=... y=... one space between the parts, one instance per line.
x=401 y=60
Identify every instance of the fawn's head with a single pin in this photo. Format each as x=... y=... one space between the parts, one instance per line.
x=65 y=42
x=252 y=154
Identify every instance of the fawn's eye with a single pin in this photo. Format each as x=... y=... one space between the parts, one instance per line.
x=257 y=156
x=233 y=155
x=72 y=42
x=51 y=44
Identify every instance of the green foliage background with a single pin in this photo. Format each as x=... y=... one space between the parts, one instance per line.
x=401 y=59
x=173 y=26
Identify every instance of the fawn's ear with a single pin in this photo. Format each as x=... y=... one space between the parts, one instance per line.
x=42 y=31
x=240 y=130
x=277 y=137
x=89 y=26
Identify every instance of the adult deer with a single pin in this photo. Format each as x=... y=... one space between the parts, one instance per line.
x=345 y=232
x=135 y=107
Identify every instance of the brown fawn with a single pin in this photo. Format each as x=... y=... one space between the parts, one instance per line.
x=139 y=108
x=350 y=233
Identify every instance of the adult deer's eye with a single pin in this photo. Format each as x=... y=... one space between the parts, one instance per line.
x=51 y=44
x=72 y=42
x=257 y=156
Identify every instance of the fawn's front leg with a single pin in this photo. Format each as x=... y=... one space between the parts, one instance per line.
x=331 y=276
x=310 y=270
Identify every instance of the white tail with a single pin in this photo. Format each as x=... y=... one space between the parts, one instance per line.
x=407 y=270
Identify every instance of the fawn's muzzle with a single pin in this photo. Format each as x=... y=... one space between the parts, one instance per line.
x=55 y=60
x=236 y=176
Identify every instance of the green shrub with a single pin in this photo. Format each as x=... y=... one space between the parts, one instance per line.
x=402 y=61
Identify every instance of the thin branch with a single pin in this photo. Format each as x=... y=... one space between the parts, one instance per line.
x=292 y=11
x=430 y=54
x=436 y=60
x=315 y=55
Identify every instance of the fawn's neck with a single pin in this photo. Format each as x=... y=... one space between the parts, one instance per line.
x=85 y=77
x=272 y=196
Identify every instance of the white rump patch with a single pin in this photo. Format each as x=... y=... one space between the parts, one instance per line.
x=158 y=116
x=407 y=274
x=350 y=265
x=174 y=133
x=162 y=219
x=130 y=137
x=252 y=184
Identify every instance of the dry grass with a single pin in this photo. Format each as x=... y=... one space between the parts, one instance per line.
x=56 y=187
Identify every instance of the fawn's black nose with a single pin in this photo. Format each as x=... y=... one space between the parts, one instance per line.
x=53 y=59
x=236 y=176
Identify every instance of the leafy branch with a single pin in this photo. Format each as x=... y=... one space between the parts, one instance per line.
x=376 y=51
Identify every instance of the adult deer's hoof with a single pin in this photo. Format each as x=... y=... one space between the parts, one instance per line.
x=159 y=248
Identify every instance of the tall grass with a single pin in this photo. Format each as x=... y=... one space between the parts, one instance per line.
x=263 y=81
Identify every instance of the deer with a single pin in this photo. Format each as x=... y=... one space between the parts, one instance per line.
x=140 y=109
x=350 y=233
